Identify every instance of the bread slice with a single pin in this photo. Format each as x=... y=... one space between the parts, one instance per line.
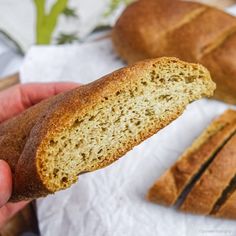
x=211 y=185
x=168 y=189
x=92 y=126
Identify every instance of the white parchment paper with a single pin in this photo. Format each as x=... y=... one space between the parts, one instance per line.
x=111 y=201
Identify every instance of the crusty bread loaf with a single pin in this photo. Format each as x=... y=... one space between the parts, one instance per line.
x=175 y=180
x=203 y=180
x=210 y=186
x=92 y=126
x=190 y=31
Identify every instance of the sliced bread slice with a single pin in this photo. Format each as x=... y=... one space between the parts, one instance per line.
x=92 y=126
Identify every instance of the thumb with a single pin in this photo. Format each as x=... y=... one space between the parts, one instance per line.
x=5 y=182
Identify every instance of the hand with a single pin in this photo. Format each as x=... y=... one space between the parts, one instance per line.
x=12 y=102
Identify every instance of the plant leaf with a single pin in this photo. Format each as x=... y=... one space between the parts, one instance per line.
x=70 y=12
x=67 y=38
x=114 y=4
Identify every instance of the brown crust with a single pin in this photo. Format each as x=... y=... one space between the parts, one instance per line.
x=28 y=183
x=170 y=186
x=15 y=132
x=12 y=141
x=222 y=64
x=212 y=183
x=190 y=31
x=228 y=209
x=133 y=35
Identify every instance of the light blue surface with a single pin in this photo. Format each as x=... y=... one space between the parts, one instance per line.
x=10 y=59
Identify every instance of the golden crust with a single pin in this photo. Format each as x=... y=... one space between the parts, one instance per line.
x=190 y=31
x=228 y=209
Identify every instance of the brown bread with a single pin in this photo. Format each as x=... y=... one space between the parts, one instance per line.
x=228 y=209
x=210 y=186
x=92 y=126
x=190 y=31
x=174 y=181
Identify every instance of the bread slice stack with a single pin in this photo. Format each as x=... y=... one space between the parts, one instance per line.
x=90 y=127
x=203 y=180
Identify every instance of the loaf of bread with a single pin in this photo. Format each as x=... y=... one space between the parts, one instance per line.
x=172 y=183
x=203 y=180
x=190 y=31
x=90 y=127
x=208 y=190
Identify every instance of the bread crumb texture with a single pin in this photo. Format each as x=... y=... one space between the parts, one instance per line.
x=138 y=102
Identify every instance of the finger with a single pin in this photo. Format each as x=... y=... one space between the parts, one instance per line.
x=34 y=93
x=19 y=97
x=9 y=210
x=5 y=182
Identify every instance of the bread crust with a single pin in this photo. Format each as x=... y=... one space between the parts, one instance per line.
x=15 y=132
x=222 y=65
x=228 y=209
x=133 y=35
x=190 y=31
x=59 y=115
x=212 y=183
x=172 y=183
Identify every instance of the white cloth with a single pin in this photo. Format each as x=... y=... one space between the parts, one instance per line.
x=83 y=63
x=111 y=201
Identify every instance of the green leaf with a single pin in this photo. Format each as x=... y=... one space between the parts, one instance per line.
x=70 y=12
x=67 y=38
x=114 y=4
